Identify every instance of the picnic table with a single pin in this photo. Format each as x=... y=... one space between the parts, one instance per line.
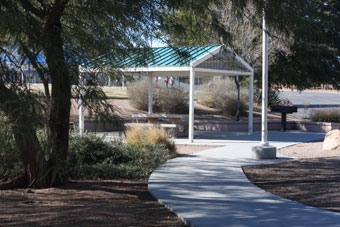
x=177 y=128
x=154 y=118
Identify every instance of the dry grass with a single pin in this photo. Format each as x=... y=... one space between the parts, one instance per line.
x=165 y=100
x=222 y=95
x=329 y=115
x=149 y=136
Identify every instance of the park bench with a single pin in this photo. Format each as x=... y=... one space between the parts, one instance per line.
x=283 y=110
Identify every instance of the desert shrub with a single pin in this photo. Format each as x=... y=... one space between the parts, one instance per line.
x=142 y=136
x=171 y=100
x=222 y=95
x=138 y=93
x=10 y=159
x=330 y=115
x=91 y=157
x=165 y=100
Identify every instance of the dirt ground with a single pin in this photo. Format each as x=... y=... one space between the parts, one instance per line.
x=86 y=203
x=125 y=110
x=312 y=180
x=89 y=203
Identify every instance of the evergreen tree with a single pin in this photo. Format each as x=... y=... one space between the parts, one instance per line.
x=303 y=35
x=66 y=33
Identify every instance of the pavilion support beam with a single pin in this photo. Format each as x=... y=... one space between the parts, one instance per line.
x=150 y=94
x=251 y=104
x=81 y=104
x=191 y=104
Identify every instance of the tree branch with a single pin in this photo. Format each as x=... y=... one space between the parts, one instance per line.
x=29 y=7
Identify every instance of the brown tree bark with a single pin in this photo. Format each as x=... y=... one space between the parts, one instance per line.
x=35 y=165
x=41 y=167
x=58 y=125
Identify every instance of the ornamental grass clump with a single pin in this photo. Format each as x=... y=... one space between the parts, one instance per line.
x=330 y=115
x=142 y=136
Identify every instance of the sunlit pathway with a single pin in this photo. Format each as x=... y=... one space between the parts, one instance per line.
x=210 y=188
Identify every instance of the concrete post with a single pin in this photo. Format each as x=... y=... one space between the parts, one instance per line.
x=191 y=104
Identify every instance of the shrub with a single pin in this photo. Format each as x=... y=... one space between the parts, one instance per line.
x=273 y=97
x=10 y=158
x=90 y=149
x=165 y=100
x=91 y=157
x=330 y=115
x=222 y=95
x=142 y=136
x=138 y=93
x=171 y=100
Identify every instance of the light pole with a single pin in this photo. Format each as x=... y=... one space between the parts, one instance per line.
x=264 y=150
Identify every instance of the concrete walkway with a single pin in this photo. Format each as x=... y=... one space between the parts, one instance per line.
x=210 y=188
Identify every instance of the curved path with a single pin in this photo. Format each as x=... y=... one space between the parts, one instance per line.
x=210 y=188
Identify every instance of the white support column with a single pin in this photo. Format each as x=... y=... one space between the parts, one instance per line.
x=264 y=151
x=150 y=94
x=264 y=128
x=251 y=104
x=191 y=104
x=80 y=104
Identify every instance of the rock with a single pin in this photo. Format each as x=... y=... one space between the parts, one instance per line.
x=332 y=140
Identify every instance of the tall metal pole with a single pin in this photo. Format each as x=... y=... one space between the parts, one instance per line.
x=264 y=131
x=264 y=150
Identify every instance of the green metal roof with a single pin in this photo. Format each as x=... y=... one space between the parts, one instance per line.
x=160 y=56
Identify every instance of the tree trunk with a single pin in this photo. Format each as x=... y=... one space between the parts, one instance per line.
x=58 y=125
x=43 y=169
x=35 y=165
x=33 y=158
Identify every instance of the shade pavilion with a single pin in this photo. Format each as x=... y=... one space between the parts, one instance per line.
x=186 y=61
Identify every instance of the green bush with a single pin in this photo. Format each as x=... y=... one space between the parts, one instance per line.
x=222 y=95
x=91 y=157
x=10 y=158
x=165 y=100
x=330 y=115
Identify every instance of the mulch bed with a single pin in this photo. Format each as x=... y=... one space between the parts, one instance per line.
x=314 y=182
x=86 y=203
